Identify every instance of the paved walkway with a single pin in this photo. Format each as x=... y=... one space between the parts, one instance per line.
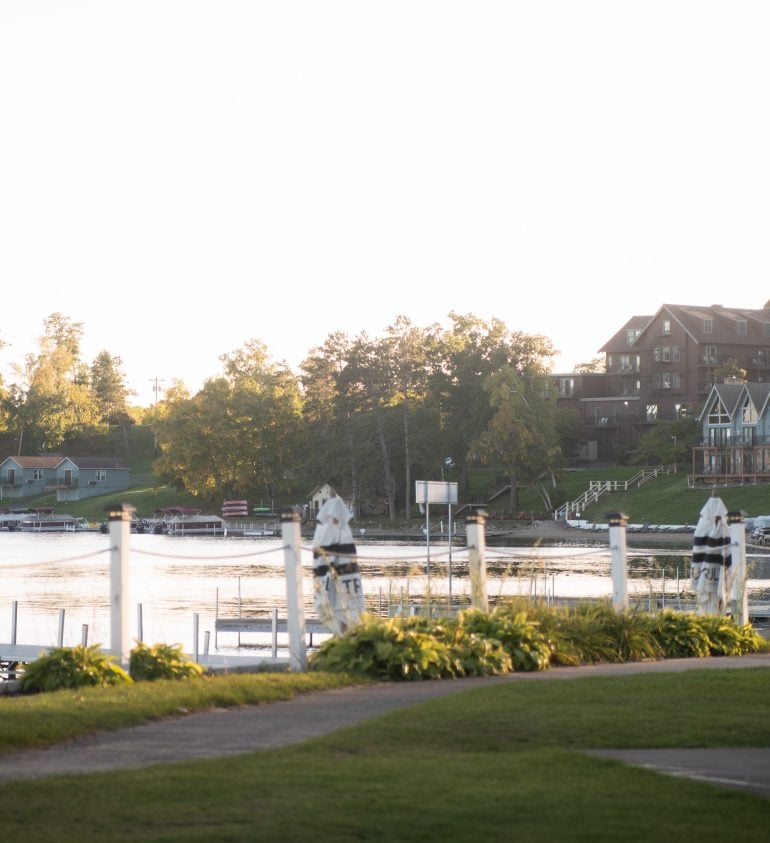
x=226 y=732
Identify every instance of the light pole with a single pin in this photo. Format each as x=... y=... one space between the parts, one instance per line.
x=156 y=382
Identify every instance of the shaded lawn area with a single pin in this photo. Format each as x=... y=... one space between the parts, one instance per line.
x=496 y=763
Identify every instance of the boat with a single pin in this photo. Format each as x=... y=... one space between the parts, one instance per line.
x=187 y=521
x=47 y=520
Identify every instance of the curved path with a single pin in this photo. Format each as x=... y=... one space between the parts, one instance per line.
x=225 y=732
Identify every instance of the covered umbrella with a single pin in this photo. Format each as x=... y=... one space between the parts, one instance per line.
x=711 y=559
x=337 y=588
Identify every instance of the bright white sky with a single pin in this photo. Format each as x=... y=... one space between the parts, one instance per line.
x=183 y=176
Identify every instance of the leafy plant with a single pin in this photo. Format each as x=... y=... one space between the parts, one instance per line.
x=520 y=637
x=585 y=634
x=681 y=635
x=73 y=667
x=161 y=661
x=410 y=648
x=727 y=638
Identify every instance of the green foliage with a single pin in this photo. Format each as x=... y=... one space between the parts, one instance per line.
x=73 y=667
x=410 y=648
x=161 y=661
x=726 y=638
x=519 y=636
x=681 y=635
x=515 y=636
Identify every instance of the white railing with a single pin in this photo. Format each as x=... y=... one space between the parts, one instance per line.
x=598 y=488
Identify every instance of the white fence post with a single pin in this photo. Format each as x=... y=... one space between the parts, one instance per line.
x=290 y=532
x=477 y=563
x=738 y=599
x=119 y=520
x=617 y=522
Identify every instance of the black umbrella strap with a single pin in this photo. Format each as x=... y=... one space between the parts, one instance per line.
x=711 y=551
x=339 y=569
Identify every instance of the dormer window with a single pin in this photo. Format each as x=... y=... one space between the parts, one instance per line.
x=708 y=326
x=718 y=413
x=750 y=415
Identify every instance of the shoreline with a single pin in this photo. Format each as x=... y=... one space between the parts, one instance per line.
x=540 y=532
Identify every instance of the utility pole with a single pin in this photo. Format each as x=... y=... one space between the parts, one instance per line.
x=156 y=382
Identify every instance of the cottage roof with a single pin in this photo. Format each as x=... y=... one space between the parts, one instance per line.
x=95 y=462
x=47 y=461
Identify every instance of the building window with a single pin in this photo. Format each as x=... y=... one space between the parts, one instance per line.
x=625 y=362
x=676 y=353
x=100 y=475
x=718 y=413
x=37 y=474
x=711 y=354
x=750 y=415
x=609 y=362
x=656 y=380
x=708 y=326
x=767 y=329
x=676 y=380
x=657 y=354
x=740 y=327
x=665 y=380
x=666 y=326
x=566 y=387
x=652 y=412
x=631 y=336
x=666 y=354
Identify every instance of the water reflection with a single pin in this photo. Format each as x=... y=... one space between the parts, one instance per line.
x=175 y=578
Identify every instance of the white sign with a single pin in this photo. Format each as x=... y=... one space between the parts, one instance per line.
x=435 y=491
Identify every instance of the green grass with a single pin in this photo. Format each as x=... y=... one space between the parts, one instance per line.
x=497 y=763
x=40 y=720
x=664 y=500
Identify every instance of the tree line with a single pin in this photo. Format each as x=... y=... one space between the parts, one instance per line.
x=369 y=415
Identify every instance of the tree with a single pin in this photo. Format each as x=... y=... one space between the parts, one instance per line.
x=522 y=434
x=667 y=442
x=598 y=364
x=237 y=435
x=51 y=403
x=471 y=351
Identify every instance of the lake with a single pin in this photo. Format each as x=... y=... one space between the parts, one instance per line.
x=175 y=578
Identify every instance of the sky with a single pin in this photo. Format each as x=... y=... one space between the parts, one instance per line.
x=181 y=177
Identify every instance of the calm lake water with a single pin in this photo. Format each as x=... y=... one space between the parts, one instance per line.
x=175 y=578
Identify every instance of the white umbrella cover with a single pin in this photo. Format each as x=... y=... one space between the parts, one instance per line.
x=337 y=589
x=711 y=559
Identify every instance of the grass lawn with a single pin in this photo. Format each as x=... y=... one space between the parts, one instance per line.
x=496 y=763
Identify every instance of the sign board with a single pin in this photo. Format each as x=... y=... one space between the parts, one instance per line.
x=435 y=491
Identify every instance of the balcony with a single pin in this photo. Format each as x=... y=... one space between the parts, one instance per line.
x=61 y=483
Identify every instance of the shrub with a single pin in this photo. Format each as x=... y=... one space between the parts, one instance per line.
x=72 y=667
x=520 y=637
x=411 y=648
x=161 y=661
x=681 y=635
x=727 y=638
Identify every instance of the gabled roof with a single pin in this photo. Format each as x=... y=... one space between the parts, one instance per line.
x=617 y=343
x=95 y=462
x=47 y=461
x=691 y=318
x=733 y=396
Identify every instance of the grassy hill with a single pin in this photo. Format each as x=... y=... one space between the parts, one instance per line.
x=664 y=500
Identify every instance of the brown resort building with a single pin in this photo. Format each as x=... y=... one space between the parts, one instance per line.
x=663 y=367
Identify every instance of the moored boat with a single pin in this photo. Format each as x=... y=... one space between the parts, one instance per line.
x=47 y=520
x=187 y=521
